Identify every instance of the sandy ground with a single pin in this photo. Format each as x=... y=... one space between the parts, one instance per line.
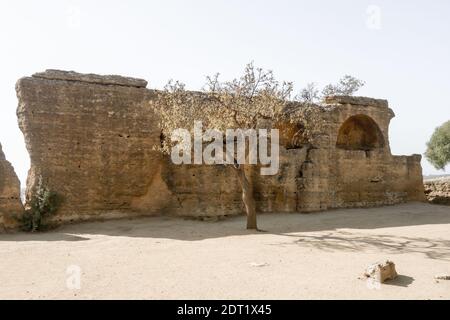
x=301 y=256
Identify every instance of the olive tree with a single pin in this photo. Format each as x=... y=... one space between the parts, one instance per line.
x=438 y=148
x=309 y=94
x=347 y=86
x=241 y=103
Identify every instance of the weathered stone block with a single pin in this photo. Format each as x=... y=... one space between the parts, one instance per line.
x=381 y=271
x=10 y=204
x=92 y=139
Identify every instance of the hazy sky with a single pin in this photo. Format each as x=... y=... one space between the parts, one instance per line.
x=400 y=48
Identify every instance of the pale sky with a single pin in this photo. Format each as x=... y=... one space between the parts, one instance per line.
x=400 y=48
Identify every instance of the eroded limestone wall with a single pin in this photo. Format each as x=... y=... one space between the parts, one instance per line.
x=92 y=139
x=438 y=191
x=368 y=177
x=200 y=190
x=10 y=204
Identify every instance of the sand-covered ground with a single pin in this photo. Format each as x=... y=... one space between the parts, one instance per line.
x=301 y=256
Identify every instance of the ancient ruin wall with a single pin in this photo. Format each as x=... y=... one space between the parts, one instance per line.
x=438 y=191
x=363 y=172
x=92 y=140
x=10 y=204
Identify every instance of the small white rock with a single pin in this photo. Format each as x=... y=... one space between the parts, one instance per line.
x=255 y=264
x=442 y=277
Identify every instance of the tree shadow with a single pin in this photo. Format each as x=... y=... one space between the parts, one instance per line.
x=42 y=236
x=353 y=242
x=285 y=224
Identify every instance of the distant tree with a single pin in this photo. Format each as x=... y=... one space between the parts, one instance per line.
x=438 y=148
x=309 y=94
x=237 y=104
x=347 y=86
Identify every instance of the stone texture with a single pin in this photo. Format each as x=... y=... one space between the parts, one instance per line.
x=10 y=204
x=438 y=191
x=93 y=142
x=91 y=78
x=336 y=177
x=442 y=277
x=381 y=271
x=361 y=101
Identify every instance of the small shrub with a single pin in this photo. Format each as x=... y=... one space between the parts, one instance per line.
x=44 y=202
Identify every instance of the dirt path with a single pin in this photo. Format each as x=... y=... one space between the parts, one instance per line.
x=314 y=256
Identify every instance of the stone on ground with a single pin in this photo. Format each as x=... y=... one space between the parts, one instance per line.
x=381 y=271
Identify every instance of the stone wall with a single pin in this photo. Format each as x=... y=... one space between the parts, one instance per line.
x=92 y=139
x=438 y=191
x=10 y=204
x=364 y=172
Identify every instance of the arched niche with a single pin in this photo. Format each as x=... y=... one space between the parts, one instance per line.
x=359 y=132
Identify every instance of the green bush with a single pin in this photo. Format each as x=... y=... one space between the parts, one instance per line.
x=438 y=148
x=43 y=203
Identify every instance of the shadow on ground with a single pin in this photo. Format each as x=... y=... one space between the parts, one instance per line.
x=351 y=242
x=400 y=281
x=290 y=225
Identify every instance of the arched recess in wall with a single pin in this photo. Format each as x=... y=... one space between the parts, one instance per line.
x=360 y=132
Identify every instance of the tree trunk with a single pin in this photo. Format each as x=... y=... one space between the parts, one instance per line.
x=247 y=198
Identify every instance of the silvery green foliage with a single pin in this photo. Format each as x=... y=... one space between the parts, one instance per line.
x=44 y=202
x=309 y=94
x=347 y=86
x=239 y=103
x=438 y=148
